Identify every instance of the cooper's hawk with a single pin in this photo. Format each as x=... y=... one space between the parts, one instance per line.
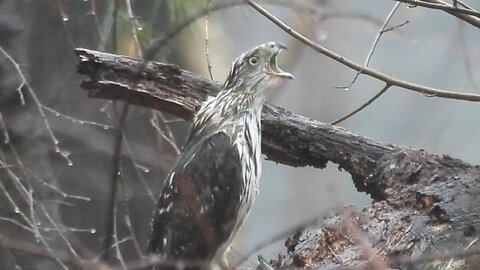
x=213 y=185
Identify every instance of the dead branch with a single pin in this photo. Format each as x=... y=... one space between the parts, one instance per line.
x=423 y=203
x=466 y=14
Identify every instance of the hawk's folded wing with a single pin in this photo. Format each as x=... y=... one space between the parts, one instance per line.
x=198 y=208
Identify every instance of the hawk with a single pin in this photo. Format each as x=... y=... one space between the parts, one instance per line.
x=211 y=189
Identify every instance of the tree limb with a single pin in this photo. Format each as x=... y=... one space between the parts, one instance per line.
x=423 y=202
x=467 y=15
x=428 y=91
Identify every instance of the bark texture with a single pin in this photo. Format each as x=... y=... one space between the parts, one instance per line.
x=426 y=209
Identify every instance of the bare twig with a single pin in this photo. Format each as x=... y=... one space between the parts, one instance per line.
x=164 y=135
x=117 y=150
x=382 y=30
x=137 y=171
x=26 y=85
x=131 y=231
x=363 y=106
x=152 y=49
x=18 y=223
x=207 y=49
x=65 y=20
x=19 y=72
x=134 y=25
x=118 y=252
x=75 y=120
x=441 y=5
x=93 y=12
x=120 y=119
x=440 y=256
x=28 y=248
x=128 y=223
x=32 y=223
x=376 y=262
x=466 y=57
x=59 y=231
x=277 y=237
x=6 y=137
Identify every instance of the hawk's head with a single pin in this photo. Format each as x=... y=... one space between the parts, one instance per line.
x=257 y=65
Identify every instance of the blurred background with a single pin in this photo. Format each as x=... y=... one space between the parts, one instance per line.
x=74 y=170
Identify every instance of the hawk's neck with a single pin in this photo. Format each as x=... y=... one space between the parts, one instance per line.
x=230 y=113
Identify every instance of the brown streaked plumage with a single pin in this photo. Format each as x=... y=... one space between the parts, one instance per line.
x=211 y=189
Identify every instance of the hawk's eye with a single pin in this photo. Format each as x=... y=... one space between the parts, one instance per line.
x=253 y=61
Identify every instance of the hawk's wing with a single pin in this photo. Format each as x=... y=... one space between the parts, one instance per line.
x=199 y=204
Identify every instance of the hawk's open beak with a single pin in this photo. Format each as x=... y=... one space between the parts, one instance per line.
x=276 y=47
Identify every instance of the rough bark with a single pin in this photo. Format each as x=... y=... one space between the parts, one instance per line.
x=423 y=204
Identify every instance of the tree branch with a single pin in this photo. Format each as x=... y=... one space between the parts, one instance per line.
x=33 y=250
x=467 y=15
x=429 y=91
x=422 y=203
x=289 y=139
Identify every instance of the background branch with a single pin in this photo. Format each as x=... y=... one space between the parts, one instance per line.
x=433 y=92
x=467 y=15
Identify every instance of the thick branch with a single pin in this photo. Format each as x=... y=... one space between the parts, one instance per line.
x=423 y=202
x=288 y=138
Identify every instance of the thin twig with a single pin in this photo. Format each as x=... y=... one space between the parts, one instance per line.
x=363 y=106
x=158 y=118
x=6 y=137
x=33 y=225
x=93 y=12
x=19 y=72
x=207 y=50
x=466 y=59
x=160 y=42
x=75 y=120
x=117 y=150
x=137 y=170
x=440 y=5
x=131 y=231
x=16 y=222
x=376 y=262
x=134 y=25
x=152 y=49
x=279 y=236
x=428 y=91
x=167 y=137
x=115 y=237
x=128 y=223
x=65 y=20
x=59 y=231
x=375 y=43
x=28 y=248
x=467 y=15
x=436 y=256
x=26 y=85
